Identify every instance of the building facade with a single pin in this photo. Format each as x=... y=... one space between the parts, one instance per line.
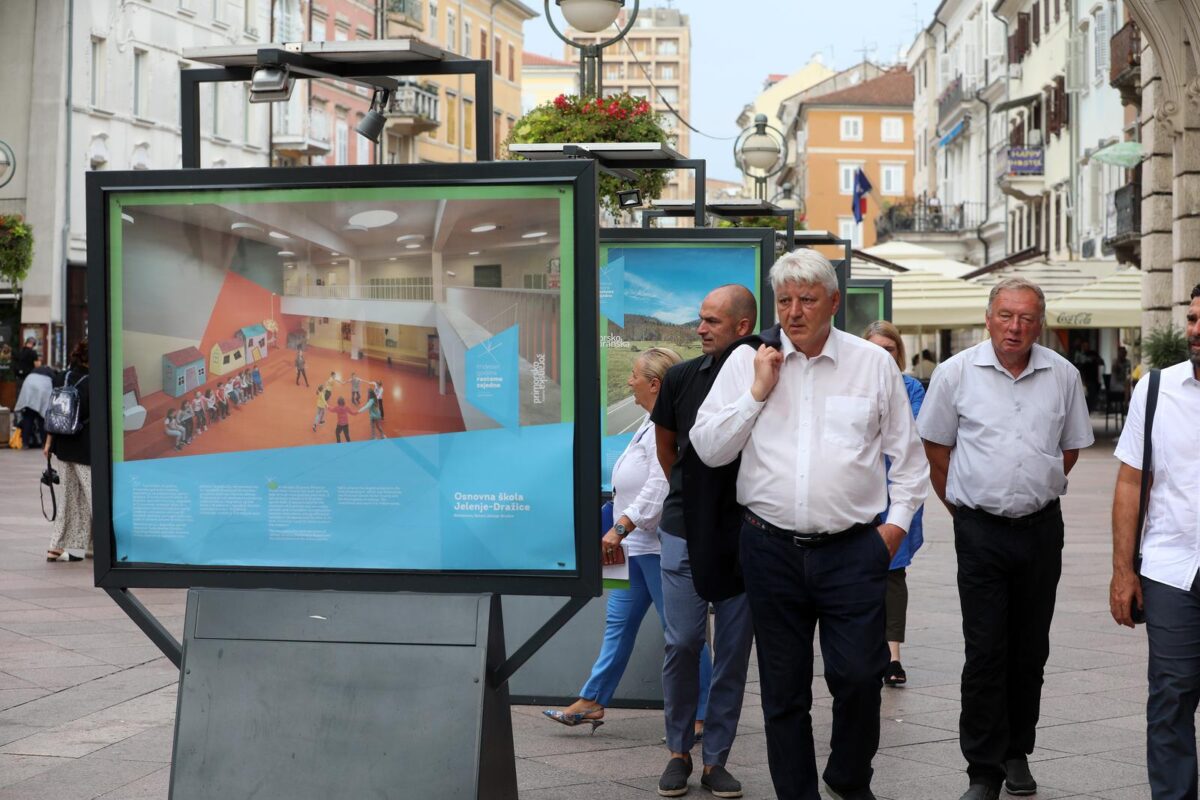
x=867 y=125
x=654 y=61
x=544 y=78
x=95 y=86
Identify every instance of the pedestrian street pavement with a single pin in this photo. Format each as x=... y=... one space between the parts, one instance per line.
x=87 y=703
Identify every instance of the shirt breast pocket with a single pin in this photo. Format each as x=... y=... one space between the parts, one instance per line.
x=847 y=420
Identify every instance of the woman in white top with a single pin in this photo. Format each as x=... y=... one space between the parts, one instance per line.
x=639 y=489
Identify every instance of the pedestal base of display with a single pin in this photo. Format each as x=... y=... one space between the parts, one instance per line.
x=298 y=695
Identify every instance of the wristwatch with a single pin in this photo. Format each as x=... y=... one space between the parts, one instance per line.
x=621 y=529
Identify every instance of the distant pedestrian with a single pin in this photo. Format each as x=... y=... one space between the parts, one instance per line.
x=26 y=360
x=300 y=372
x=1168 y=587
x=885 y=334
x=1003 y=424
x=72 y=538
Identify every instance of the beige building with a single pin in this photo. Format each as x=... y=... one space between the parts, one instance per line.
x=656 y=54
x=432 y=120
x=544 y=78
x=777 y=89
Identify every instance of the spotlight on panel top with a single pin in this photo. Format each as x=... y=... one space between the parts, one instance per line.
x=590 y=16
x=271 y=84
x=629 y=198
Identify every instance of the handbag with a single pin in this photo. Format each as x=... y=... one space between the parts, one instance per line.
x=62 y=417
x=1137 y=614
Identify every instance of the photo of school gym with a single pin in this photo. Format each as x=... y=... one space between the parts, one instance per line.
x=248 y=326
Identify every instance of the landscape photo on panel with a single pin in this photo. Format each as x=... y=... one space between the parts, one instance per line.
x=650 y=295
x=293 y=371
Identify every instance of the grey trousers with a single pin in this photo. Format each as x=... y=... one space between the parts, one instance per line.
x=687 y=627
x=1173 y=628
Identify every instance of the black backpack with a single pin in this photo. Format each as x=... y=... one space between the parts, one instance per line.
x=62 y=417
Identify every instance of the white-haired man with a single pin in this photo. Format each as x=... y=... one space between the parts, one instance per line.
x=812 y=421
x=1003 y=423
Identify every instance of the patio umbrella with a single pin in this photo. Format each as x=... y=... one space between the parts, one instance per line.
x=1121 y=154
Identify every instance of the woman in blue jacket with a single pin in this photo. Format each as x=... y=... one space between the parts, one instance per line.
x=884 y=334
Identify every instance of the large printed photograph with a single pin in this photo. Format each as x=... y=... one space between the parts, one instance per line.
x=299 y=370
x=650 y=296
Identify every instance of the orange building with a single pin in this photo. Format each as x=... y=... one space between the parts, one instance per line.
x=867 y=126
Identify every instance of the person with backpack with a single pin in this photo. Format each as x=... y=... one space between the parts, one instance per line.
x=72 y=537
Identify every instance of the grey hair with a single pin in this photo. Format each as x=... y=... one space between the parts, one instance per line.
x=803 y=266
x=1017 y=284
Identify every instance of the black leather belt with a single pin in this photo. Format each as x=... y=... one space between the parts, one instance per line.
x=1027 y=521
x=809 y=540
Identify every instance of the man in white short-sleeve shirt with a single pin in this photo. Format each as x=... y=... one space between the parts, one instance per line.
x=1168 y=588
x=1003 y=423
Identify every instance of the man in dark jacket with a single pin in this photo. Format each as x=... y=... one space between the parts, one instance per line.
x=25 y=361
x=727 y=314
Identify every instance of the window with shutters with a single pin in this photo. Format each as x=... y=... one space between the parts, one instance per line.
x=1057 y=10
x=1037 y=27
x=496 y=55
x=1100 y=45
x=1063 y=101
x=483 y=37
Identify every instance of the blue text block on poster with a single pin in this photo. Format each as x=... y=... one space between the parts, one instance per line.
x=493 y=377
x=612 y=291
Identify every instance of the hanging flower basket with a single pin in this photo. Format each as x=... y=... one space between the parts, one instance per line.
x=570 y=119
x=16 y=249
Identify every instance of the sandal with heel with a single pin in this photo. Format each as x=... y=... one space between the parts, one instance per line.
x=577 y=718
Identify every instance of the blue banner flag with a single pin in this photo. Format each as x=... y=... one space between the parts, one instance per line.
x=862 y=188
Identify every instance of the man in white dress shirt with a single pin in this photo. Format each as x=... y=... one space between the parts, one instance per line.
x=1003 y=424
x=812 y=422
x=1168 y=588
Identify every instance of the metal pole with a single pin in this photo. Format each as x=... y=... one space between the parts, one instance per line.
x=483 y=112
x=189 y=117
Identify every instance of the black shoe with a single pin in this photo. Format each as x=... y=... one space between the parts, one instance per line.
x=718 y=781
x=981 y=791
x=863 y=793
x=895 y=675
x=1019 y=781
x=674 y=780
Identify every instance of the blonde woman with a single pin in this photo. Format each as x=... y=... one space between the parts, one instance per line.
x=639 y=489
x=884 y=334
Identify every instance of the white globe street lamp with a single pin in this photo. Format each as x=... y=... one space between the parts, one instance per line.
x=591 y=16
x=760 y=152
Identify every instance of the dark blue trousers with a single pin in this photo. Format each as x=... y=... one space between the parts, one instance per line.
x=842 y=586
x=1173 y=627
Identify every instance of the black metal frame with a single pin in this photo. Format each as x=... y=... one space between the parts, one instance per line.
x=369 y=72
x=585 y=581
x=885 y=284
x=623 y=169
x=842 y=266
x=788 y=214
x=763 y=237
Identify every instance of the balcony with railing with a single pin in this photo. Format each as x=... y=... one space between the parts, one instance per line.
x=951 y=99
x=1124 y=234
x=298 y=130
x=413 y=108
x=1021 y=171
x=1125 y=67
x=928 y=217
x=405 y=17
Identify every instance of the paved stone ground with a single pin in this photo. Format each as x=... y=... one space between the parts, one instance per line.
x=87 y=704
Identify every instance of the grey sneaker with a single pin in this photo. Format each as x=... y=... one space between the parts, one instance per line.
x=674 y=780
x=718 y=781
x=1019 y=781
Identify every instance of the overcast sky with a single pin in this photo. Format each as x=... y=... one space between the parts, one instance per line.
x=737 y=43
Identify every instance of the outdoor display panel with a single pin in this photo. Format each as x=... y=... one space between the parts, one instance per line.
x=350 y=377
x=652 y=282
x=867 y=300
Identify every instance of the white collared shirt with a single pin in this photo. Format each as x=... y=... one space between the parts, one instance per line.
x=1171 y=544
x=1008 y=434
x=812 y=452
x=639 y=489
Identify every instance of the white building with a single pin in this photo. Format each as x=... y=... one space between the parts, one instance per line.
x=92 y=86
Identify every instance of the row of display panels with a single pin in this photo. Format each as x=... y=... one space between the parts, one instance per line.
x=408 y=377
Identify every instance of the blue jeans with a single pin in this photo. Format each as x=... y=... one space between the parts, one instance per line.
x=686 y=634
x=1173 y=628
x=626 y=608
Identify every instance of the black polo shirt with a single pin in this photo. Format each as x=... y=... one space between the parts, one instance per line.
x=683 y=390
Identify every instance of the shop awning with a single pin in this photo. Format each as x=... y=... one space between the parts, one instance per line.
x=953 y=133
x=1113 y=302
x=1120 y=154
x=1015 y=103
x=929 y=300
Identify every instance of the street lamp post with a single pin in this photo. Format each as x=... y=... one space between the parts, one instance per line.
x=760 y=152
x=8 y=163
x=591 y=16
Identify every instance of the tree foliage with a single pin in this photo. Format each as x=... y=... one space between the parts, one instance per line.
x=570 y=119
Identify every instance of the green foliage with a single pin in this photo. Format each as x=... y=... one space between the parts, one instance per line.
x=1164 y=347
x=570 y=119
x=16 y=248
